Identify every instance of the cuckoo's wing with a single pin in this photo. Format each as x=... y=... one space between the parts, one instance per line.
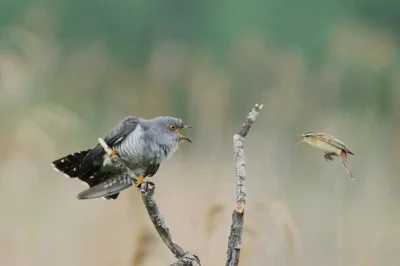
x=334 y=141
x=115 y=136
x=107 y=188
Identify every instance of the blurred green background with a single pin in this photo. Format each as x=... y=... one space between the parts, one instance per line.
x=70 y=70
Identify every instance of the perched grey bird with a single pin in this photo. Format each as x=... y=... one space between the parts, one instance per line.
x=142 y=144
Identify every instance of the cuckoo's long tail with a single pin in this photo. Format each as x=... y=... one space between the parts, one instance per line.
x=69 y=165
x=94 y=178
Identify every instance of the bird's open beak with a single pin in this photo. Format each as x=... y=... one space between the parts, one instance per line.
x=302 y=140
x=182 y=136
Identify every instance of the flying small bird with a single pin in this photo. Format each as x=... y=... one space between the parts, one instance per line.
x=330 y=146
x=141 y=144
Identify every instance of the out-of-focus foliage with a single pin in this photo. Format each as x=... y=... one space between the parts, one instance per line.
x=131 y=30
x=70 y=70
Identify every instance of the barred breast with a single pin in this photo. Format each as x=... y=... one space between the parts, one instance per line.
x=139 y=151
x=131 y=148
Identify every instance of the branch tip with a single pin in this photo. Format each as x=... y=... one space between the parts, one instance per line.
x=106 y=148
x=258 y=107
x=235 y=236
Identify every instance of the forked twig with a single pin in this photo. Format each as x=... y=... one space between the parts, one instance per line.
x=147 y=191
x=235 y=237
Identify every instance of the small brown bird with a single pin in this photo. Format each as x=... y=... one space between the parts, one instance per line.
x=330 y=146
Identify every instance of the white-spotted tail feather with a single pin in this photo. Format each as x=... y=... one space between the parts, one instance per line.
x=69 y=165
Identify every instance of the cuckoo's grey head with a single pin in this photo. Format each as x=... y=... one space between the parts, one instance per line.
x=170 y=128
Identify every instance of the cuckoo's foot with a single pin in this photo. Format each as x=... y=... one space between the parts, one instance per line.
x=139 y=181
x=149 y=182
x=113 y=153
x=145 y=185
x=328 y=157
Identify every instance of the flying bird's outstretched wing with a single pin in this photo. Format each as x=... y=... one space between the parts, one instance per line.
x=333 y=141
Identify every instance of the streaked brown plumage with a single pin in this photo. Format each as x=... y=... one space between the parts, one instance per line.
x=330 y=145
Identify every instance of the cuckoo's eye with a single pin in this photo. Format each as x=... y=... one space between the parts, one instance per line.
x=172 y=127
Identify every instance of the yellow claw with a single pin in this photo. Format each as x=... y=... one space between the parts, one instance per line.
x=139 y=181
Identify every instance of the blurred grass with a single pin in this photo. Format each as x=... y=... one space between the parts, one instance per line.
x=58 y=94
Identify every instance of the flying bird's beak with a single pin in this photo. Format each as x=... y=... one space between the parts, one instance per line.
x=302 y=139
x=182 y=136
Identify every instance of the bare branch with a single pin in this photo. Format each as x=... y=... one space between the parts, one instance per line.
x=235 y=237
x=187 y=260
x=160 y=225
x=147 y=190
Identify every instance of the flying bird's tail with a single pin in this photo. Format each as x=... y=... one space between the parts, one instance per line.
x=69 y=165
x=343 y=156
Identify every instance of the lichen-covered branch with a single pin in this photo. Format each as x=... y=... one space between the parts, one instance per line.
x=235 y=237
x=159 y=223
x=147 y=190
